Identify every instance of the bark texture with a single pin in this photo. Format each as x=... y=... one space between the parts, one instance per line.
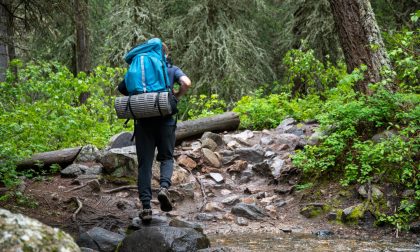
x=218 y=123
x=81 y=19
x=64 y=156
x=360 y=39
x=7 y=51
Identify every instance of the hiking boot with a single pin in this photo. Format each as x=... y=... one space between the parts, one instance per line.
x=146 y=215
x=165 y=202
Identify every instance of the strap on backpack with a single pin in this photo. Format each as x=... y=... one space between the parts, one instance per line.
x=157 y=103
x=128 y=106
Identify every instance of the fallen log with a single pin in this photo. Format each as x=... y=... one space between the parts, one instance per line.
x=64 y=156
x=219 y=123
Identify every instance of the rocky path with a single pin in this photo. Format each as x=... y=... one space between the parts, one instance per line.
x=227 y=183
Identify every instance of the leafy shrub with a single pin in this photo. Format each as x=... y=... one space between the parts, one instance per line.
x=41 y=111
x=261 y=112
x=201 y=106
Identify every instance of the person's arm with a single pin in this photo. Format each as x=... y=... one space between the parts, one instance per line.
x=185 y=84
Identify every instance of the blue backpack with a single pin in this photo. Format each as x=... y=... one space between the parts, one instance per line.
x=147 y=71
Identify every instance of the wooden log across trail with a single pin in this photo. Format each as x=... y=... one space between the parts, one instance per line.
x=64 y=156
x=185 y=130
x=224 y=122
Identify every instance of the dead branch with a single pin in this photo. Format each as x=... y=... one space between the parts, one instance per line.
x=79 y=203
x=129 y=187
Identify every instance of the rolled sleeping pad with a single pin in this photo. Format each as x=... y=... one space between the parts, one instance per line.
x=143 y=105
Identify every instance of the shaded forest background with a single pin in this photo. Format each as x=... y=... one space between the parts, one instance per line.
x=226 y=47
x=264 y=59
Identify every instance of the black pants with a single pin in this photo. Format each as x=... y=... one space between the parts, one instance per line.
x=150 y=136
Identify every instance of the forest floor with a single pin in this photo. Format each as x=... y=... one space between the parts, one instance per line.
x=50 y=200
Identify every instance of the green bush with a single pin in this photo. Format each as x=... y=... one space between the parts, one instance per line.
x=41 y=111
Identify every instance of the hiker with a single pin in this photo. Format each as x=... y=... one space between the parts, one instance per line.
x=157 y=132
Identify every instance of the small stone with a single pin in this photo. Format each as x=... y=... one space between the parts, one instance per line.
x=215 y=137
x=266 y=140
x=248 y=200
x=272 y=209
x=225 y=192
x=211 y=158
x=217 y=177
x=353 y=213
x=332 y=216
x=280 y=203
x=213 y=206
x=205 y=217
x=269 y=200
x=323 y=233
x=249 y=211
x=231 y=200
x=241 y=221
x=185 y=224
x=237 y=166
x=186 y=162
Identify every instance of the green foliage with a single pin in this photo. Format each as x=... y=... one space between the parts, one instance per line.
x=261 y=112
x=402 y=51
x=41 y=111
x=307 y=75
x=407 y=212
x=204 y=106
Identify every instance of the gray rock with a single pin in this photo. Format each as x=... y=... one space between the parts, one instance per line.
x=249 y=211
x=262 y=169
x=332 y=216
x=209 y=144
x=205 y=217
x=100 y=239
x=187 y=189
x=210 y=158
x=120 y=162
x=254 y=154
x=164 y=239
x=215 y=137
x=93 y=170
x=313 y=210
x=376 y=192
x=323 y=233
x=280 y=203
x=286 y=125
x=266 y=140
x=88 y=153
x=353 y=214
x=74 y=170
x=380 y=137
x=21 y=233
x=217 y=177
x=276 y=167
x=244 y=135
x=83 y=249
x=241 y=221
x=186 y=224
x=289 y=139
x=121 y=140
x=315 y=138
x=231 y=200
x=157 y=221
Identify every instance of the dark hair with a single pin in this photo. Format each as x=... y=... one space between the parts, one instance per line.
x=165 y=48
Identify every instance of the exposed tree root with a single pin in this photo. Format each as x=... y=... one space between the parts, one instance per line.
x=80 y=205
x=130 y=187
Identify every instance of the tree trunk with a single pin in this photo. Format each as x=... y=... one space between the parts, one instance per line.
x=81 y=19
x=62 y=157
x=218 y=123
x=360 y=39
x=7 y=50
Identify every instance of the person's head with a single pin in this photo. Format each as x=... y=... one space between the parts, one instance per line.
x=165 y=49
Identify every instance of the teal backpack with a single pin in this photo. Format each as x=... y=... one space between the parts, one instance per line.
x=147 y=71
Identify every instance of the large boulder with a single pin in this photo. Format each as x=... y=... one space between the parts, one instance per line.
x=121 y=140
x=164 y=238
x=21 y=233
x=88 y=153
x=120 y=162
x=100 y=239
